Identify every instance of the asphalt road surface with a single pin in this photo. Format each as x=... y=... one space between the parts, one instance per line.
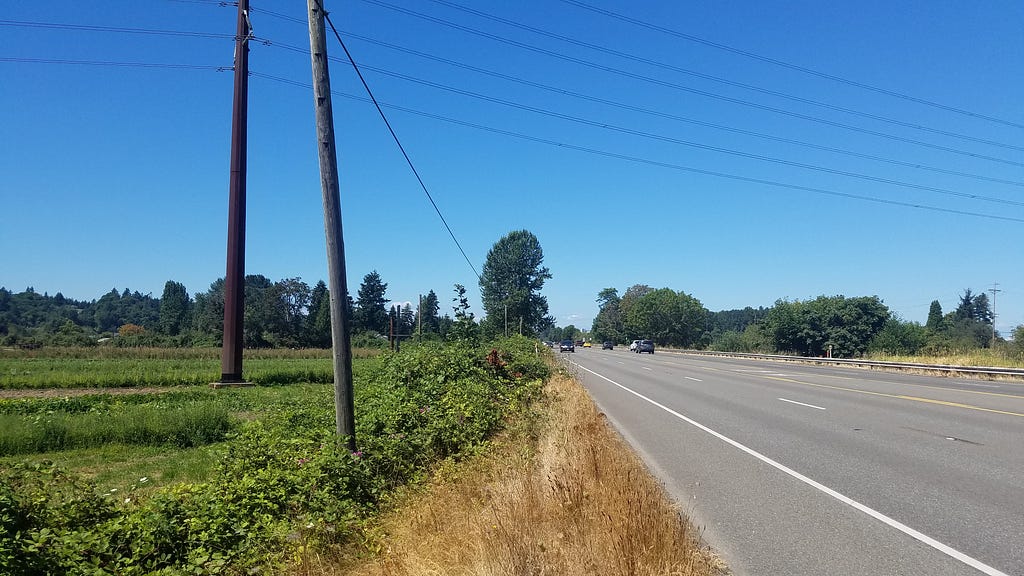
x=795 y=469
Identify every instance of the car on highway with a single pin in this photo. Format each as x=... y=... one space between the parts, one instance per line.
x=567 y=346
x=645 y=346
x=633 y=345
x=608 y=345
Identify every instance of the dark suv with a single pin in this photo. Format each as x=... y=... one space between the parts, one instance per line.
x=567 y=346
x=645 y=346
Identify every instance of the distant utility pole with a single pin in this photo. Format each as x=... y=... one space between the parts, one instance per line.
x=234 y=279
x=344 y=403
x=994 y=289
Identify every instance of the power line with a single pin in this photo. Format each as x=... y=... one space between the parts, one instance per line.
x=384 y=117
x=671 y=85
x=680 y=87
x=647 y=161
x=115 y=64
x=693 y=73
x=117 y=29
x=676 y=117
x=633 y=108
x=791 y=66
x=672 y=140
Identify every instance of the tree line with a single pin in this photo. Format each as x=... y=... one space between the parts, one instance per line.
x=288 y=312
x=825 y=326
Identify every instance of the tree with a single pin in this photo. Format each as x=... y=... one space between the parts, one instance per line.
x=668 y=317
x=843 y=325
x=318 y=321
x=428 y=321
x=464 y=327
x=965 y=310
x=981 y=310
x=608 y=322
x=899 y=338
x=935 y=322
x=510 y=285
x=371 y=314
x=175 y=308
x=261 y=317
x=208 y=315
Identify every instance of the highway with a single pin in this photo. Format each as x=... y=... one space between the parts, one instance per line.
x=794 y=469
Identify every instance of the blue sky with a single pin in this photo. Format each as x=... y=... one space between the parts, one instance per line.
x=117 y=176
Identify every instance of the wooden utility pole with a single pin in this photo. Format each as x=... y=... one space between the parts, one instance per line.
x=234 y=279
x=994 y=290
x=344 y=404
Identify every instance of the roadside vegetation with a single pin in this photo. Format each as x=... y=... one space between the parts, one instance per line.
x=560 y=493
x=276 y=483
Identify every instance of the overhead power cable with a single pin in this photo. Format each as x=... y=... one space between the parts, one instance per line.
x=384 y=117
x=789 y=65
x=679 y=141
x=657 y=113
x=673 y=140
x=648 y=161
x=688 y=72
x=651 y=80
x=115 y=64
x=117 y=29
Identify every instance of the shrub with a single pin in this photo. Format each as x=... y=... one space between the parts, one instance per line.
x=283 y=479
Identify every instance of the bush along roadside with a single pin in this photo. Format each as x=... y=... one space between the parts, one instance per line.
x=283 y=482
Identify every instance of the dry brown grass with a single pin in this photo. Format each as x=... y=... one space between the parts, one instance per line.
x=567 y=498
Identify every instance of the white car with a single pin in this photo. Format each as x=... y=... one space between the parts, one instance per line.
x=633 y=345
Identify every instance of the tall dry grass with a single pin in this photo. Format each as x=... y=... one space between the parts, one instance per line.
x=566 y=498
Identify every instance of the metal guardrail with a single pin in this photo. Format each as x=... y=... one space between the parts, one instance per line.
x=941 y=368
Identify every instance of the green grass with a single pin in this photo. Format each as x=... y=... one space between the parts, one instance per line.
x=126 y=368
x=147 y=425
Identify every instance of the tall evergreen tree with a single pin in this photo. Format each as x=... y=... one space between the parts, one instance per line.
x=428 y=313
x=510 y=285
x=965 y=310
x=935 y=321
x=175 y=309
x=318 y=322
x=371 y=313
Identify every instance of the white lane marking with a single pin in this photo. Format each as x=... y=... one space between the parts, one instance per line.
x=801 y=403
x=919 y=536
x=694 y=379
x=645 y=367
x=620 y=362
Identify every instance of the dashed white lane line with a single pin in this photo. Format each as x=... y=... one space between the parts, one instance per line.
x=692 y=378
x=919 y=536
x=645 y=367
x=802 y=404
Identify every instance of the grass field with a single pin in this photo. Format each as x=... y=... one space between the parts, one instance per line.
x=137 y=367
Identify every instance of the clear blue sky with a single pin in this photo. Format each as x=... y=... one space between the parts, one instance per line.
x=117 y=176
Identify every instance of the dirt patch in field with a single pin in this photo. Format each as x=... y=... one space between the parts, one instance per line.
x=62 y=392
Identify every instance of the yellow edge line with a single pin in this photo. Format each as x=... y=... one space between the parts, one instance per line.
x=899 y=396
